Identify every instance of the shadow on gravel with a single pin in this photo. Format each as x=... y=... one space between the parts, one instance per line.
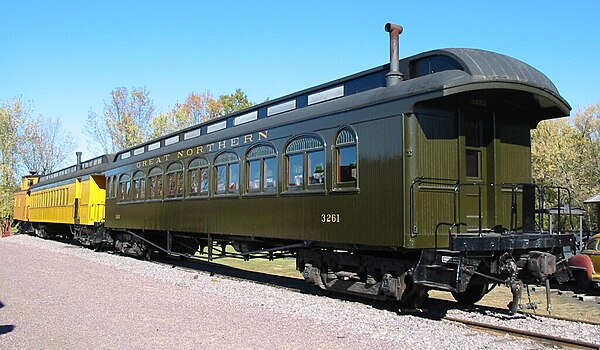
x=295 y=284
x=440 y=307
x=434 y=309
x=6 y=328
x=216 y=269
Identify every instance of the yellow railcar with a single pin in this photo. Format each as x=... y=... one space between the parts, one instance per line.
x=54 y=205
x=78 y=201
x=67 y=202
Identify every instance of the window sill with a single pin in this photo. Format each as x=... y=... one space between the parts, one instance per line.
x=225 y=196
x=309 y=192
x=197 y=197
x=345 y=190
x=259 y=194
x=170 y=199
x=154 y=200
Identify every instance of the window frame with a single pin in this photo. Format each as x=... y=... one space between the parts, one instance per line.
x=174 y=176
x=156 y=176
x=200 y=169
x=138 y=185
x=339 y=145
x=306 y=151
x=124 y=183
x=261 y=160
x=474 y=146
x=228 y=165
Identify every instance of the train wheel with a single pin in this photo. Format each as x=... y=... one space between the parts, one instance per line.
x=414 y=297
x=147 y=254
x=472 y=294
x=413 y=300
x=582 y=280
x=40 y=232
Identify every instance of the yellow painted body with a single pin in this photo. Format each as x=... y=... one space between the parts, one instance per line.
x=22 y=199
x=92 y=200
x=77 y=202
x=21 y=206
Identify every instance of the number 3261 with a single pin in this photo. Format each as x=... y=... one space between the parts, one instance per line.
x=330 y=218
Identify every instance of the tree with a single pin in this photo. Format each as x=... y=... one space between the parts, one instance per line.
x=197 y=109
x=45 y=146
x=163 y=124
x=12 y=115
x=234 y=102
x=193 y=111
x=566 y=152
x=227 y=104
x=125 y=122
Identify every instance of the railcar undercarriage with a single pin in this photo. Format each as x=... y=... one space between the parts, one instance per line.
x=367 y=275
x=403 y=277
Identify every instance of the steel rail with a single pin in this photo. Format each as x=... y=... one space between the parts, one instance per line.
x=527 y=334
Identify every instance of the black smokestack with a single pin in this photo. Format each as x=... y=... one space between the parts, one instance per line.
x=78 y=160
x=394 y=75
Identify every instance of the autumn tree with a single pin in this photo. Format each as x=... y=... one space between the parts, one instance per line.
x=196 y=109
x=45 y=146
x=12 y=115
x=566 y=153
x=125 y=121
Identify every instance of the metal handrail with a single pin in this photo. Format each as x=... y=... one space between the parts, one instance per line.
x=457 y=186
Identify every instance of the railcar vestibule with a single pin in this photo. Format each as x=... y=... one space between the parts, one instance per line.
x=471 y=153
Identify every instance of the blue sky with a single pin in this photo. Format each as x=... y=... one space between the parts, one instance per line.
x=65 y=57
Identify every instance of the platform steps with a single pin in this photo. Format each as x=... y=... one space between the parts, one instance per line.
x=439 y=269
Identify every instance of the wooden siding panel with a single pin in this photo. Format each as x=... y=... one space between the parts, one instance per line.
x=436 y=158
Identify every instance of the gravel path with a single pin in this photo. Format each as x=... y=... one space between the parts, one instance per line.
x=58 y=296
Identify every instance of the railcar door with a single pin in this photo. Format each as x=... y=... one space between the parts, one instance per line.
x=476 y=170
x=495 y=161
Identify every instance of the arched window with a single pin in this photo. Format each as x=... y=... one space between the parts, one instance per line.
x=175 y=180
x=261 y=169
x=198 y=177
x=124 y=187
x=155 y=183
x=227 y=173
x=305 y=163
x=346 y=158
x=139 y=185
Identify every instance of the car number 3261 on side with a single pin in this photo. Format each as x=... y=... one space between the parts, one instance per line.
x=330 y=218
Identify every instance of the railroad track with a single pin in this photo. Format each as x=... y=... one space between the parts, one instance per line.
x=544 y=338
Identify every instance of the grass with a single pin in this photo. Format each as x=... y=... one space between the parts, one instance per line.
x=281 y=267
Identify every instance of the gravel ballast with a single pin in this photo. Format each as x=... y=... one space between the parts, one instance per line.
x=60 y=296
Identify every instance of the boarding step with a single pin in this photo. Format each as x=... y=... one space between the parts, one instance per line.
x=439 y=269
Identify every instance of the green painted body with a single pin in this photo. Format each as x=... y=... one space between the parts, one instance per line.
x=420 y=128
x=295 y=215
